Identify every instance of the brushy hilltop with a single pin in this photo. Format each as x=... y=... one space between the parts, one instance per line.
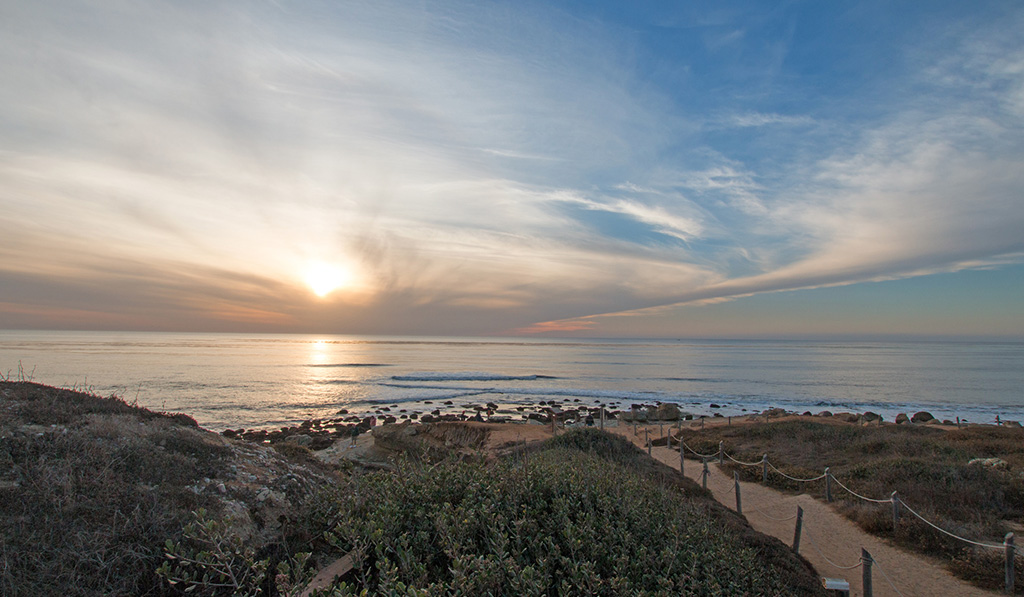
x=102 y=497
x=92 y=487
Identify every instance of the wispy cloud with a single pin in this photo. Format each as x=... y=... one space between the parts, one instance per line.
x=758 y=119
x=481 y=170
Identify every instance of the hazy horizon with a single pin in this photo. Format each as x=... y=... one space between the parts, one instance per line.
x=562 y=169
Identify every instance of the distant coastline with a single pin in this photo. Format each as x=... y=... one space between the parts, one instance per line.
x=269 y=381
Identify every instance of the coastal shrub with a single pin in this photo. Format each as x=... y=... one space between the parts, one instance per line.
x=86 y=517
x=88 y=495
x=210 y=560
x=565 y=521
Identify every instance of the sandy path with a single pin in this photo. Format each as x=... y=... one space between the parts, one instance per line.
x=826 y=534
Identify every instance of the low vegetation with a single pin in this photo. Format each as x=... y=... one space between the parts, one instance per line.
x=928 y=467
x=100 y=497
x=91 y=487
x=574 y=517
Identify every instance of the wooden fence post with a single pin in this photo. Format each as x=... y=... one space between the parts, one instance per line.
x=865 y=559
x=721 y=453
x=764 y=468
x=895 y=510
x=682 y=457
x=799 y=527
x=739 y=502
x=828 y=485
x=602 y=417
x=704 y=474
x=1008 y=544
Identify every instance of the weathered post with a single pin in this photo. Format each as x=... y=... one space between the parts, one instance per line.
x=602 y=417
x=682 y=456
x=739 y=502
x=866 y=561
x=647 y=436
x=721 y=453
x=799 y=527
x=764 y=468
x=730 y=420
x=704 y=474
x=958 y=422
x=895 y=510
x=828 y=485
x=1008 y=544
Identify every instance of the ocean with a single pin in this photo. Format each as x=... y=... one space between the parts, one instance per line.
x=268 y=381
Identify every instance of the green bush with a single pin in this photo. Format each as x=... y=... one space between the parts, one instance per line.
x=564 y=521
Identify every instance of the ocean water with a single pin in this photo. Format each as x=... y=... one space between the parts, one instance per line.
x=267 y=381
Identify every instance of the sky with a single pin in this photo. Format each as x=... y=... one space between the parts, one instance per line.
x=550 y=168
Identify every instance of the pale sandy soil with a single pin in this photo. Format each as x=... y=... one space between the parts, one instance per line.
x=827 y=534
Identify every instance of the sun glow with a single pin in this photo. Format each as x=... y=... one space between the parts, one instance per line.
x=324 y=278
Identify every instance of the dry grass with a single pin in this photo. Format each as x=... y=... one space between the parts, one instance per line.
x=926 y=465
x=91 y=487
x=87 y=500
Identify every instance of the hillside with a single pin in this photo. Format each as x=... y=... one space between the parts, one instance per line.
x=93 y=488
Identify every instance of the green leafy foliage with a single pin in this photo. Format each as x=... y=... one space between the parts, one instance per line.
x=570 y=520
x=210 y=560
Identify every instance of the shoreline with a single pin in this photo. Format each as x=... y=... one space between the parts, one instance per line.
x=319 y=433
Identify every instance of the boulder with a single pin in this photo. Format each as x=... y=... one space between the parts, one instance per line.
x=921 y=417
x=902 y=419
x=825 y=413
x=870 y=416
x=666 y=412
x=639 y=414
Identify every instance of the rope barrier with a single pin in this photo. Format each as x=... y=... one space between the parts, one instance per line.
x=866 y=499
x=822 y=554
x=886 y=577
x=818 y=478
x=762 y=513
x=732 y=486
x=698 y=454
x=758 y=463
x=851 y=492
x=942 y=530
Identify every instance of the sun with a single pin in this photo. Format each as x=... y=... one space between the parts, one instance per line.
x=324 y=278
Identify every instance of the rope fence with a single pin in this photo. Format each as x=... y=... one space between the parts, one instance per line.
x=891 y=500
x=814 y=544
x=1007 y=546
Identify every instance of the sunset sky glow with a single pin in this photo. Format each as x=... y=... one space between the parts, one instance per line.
x=726 y=169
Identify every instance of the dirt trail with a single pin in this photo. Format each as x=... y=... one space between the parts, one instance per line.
x=826 y=534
